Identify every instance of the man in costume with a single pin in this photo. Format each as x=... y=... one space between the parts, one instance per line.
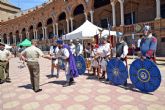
x=52 y=52
x=148 y=45
x=72 y=47
x=69 y=62
x=122 y=51
x=31 y=55
x=104 y=52
x=79 y=48
x=5 y=56
x=95 y=59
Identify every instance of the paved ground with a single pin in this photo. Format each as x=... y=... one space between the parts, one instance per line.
x=86 y=94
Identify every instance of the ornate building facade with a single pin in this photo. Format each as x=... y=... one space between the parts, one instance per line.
x=7 y=10
x=58 y=17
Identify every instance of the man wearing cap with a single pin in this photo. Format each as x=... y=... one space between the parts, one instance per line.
x=31 y=55
x=69 y=62
x=5 y=56
x=148 y=44
x=79 y=48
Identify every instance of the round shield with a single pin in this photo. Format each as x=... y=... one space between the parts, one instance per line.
x=117 y=71
x=80 y=64
x=61 y=64
x=145 y=75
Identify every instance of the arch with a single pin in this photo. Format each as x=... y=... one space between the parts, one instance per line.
x=17 y=37
x=11 y=37
x=5 y=38
x=31 y=27
x=49 y=21
x=23 y=29
x=78 y=10
x=23 y=34
x=39 y=31
x=31 y=34
x=62 y=16
x=100 y=3
x=39 y=25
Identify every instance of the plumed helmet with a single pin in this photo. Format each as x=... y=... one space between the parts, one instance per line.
x=147 y=28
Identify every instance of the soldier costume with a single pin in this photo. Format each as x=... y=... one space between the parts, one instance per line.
x=31 y=55
x=4 y=64
x=148 y=44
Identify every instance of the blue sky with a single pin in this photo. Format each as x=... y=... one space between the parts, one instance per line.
x=26 y=4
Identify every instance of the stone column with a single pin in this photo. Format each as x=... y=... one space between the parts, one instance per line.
x=43 y=32
x=20 y=36
x=8 y=40
x=54 y=29
x=113 y=14
x=36 y=35
x=27 y=34
x=67 y=22
x=46 y=34
x=57 y=29
x=91 y=13
x=122 y=11
x=71 y=21
x=86 y=16
x=1 y=39
x=14 y=39
x=158 y=16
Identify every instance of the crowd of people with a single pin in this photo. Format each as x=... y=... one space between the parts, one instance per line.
x=97 y=54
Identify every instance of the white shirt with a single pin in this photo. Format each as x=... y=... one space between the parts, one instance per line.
x=65 y=53
x=138 y=43
x=51 y=51
x=104 y=50
x=73 y=48
x=125 y=51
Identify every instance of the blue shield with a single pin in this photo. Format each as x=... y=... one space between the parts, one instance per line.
x=145 y=75
x=117 y=71
x=80 y=64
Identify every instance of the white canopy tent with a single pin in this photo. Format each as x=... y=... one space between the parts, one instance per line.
x=87 y=31
x=7 y=46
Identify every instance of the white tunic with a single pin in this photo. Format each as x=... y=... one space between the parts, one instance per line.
x=73 y=48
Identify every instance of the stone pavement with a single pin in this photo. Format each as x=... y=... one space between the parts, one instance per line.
x=87 y=94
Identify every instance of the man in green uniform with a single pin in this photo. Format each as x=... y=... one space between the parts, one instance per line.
x=5 y=55
x=31 y=55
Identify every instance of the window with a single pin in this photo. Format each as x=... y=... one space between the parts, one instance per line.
x=163 y=39
x=128 y=18
x=163 y=11
x=104 y=23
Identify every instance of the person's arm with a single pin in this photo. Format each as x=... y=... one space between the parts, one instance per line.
x=23 y=55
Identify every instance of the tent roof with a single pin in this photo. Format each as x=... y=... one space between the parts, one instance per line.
x=87 y=30
x=26 y=42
